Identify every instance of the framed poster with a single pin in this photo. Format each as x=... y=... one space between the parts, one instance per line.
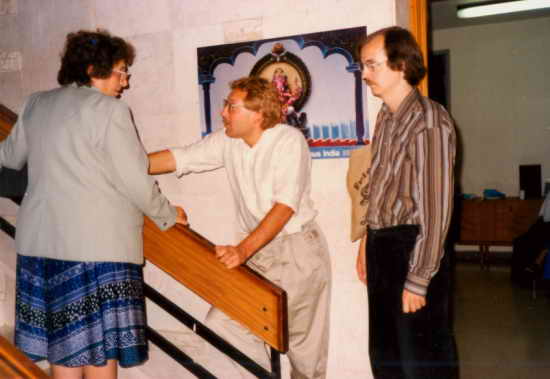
x=318 y=79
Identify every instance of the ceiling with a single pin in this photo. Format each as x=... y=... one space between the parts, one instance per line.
x=443 y=15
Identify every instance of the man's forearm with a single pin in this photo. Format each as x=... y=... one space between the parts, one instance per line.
x=268 y=229
x=161 y=162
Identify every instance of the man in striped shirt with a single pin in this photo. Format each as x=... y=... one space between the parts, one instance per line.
x=409 y=196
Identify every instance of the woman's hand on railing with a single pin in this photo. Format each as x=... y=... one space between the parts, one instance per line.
x=181 y=217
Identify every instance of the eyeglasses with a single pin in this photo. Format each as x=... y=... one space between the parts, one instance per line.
x=231 y=106
x=124 y=75
x=371 y=66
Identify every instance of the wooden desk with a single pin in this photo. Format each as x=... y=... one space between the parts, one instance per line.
x=488 y=223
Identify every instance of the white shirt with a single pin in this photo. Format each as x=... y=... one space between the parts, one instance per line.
x=277 y=169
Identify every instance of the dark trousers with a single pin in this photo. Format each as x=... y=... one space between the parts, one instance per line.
x=406 y=345
x=527 y=247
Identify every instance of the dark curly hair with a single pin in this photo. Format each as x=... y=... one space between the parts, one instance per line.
x=97 y=49
x=402 y=51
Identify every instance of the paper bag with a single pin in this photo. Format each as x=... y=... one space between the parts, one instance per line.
x=359 y=163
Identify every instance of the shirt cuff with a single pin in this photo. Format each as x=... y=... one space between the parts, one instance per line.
x=168 y=222
x=179 y=164
x=416 y=284
x=289 y=203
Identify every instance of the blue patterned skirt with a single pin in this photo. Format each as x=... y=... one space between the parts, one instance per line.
x=80 y=313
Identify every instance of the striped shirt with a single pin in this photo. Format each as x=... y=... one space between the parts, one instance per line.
x=411 y=180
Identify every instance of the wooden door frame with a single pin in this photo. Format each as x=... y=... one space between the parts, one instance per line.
x=418 y=25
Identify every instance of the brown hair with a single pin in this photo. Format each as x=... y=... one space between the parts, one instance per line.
x=97 y=49
x=261 y=96
x=402 y=51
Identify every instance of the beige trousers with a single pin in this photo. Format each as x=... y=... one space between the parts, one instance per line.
x=300 y=264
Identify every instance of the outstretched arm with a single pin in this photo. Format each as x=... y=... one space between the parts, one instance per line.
x=161 y=162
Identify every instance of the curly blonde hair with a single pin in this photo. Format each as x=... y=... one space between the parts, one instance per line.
x=261 y=96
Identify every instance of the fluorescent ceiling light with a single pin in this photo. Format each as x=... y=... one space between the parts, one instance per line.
x=491 y=9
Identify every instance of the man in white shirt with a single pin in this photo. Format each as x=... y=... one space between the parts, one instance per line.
x=269 y=171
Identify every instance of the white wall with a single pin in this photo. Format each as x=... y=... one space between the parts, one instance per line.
x=8 y=211
x=500 y=98
x=165 y=100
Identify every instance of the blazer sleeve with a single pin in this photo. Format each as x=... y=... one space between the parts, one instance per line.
x=129 y=164
x=14 y=149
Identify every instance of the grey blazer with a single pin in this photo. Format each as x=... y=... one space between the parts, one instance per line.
x=88 y=183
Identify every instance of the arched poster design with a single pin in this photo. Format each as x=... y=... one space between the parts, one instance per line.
x=318 y=79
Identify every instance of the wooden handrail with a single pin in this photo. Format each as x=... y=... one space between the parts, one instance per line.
x=241 y=293
x=14 y=364
x=7 y=119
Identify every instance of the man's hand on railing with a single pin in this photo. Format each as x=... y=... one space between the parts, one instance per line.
x=269 y=227
x=181 y=217
x=231 y=256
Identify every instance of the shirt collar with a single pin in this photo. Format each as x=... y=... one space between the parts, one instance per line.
x=74 y=85
x=265 y=136
x=406 y=105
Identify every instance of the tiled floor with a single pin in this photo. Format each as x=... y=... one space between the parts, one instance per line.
x=501 y=331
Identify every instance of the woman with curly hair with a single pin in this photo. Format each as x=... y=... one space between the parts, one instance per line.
x=79 y=301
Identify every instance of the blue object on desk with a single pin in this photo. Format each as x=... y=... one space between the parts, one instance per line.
x=493 y=194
